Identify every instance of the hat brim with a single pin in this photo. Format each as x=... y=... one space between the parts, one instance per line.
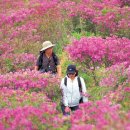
x=43 y=49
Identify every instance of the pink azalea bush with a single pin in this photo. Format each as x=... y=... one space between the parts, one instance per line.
x=125 y=2
x=114 y=75
x=11 y=61
x=109 y=16
x=27 y=22
x=119 y=95
x=12 y=99
x=26 y=80
x=14 y=62
x=116 y=79
x=100 y=115
x=96 y=51
x=5 y=48
x=20 y=109
x=30 y=117
x=32 y=81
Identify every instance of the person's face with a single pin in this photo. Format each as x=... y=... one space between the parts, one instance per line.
x=72 y=75
x=49 y=50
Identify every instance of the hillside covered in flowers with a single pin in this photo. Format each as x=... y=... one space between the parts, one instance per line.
x=93 y=34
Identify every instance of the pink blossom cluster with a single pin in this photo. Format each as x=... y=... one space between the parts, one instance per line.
x=99 y=115
x=92 y=48
x=11 y=98
x=128 y=73
x=30 y=28
x=45 y=5
x=29 y=117
x=116 y=78
x=17 y=16
x=15 y=62
x=108 y=15
x=125 y=2
x=110 y=81
x=101 y=51
x=26 y=80
x=127 y=89
x=15 y=20
x=20 y=109
x=119 y=94
x=25 y=20
x=113 y=75
x=5 y=48
x=25 y=59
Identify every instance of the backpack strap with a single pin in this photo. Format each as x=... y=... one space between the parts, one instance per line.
x=55 y=58
x=40 y=60
x=79 y=83
x=65 y=81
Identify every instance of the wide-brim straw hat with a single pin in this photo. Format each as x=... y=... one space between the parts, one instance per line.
x=46 y=45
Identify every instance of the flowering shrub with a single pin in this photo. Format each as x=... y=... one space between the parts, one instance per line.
x=5 y=48
x=96 y=51
x=109 y=16
x=12 y=99
x=29 y=107
x=114 y=75
x=116 y=79
x=29 y=21
x=125 y=2
x=32 y=81
x=15 y=62
x=99 y=115
x=26 y=80
x=30 y=117
x=20 y=109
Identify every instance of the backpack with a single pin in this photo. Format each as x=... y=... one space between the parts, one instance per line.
x=41 y=59
x=79 y=84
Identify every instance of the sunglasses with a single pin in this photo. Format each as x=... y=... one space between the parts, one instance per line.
x=71 y=74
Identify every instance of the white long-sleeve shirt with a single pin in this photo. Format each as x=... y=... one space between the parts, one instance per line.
x=71 y=93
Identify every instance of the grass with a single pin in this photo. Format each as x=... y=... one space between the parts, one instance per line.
x=83 y=34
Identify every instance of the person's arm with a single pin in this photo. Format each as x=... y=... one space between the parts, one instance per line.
x=59 y=70
x=37 y=63
x=84 y=91
x=64 y=96
x=64 y=93
x=36 y=68
x=58 y=66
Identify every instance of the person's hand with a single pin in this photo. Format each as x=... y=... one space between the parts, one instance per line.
x=36 y=68
x=67 y=109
